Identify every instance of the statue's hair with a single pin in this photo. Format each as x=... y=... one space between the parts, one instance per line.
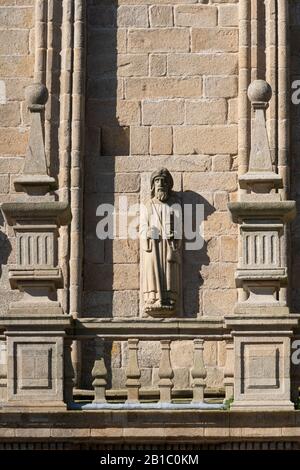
x=161 y=172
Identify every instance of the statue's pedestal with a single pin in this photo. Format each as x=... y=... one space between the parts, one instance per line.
x=262 y=356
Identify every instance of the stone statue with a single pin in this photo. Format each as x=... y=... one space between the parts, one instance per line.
x=161 y=242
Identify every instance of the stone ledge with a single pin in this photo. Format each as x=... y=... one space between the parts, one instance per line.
x=130 y=426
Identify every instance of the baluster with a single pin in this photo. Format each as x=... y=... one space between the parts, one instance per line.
x=229 y=370
x=3 y=369
x=165 y=372
x=99 y=374
x=68 y=372
x=133 y=372
x=198 y=372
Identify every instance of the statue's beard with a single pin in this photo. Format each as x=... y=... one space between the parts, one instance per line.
x=162 y=195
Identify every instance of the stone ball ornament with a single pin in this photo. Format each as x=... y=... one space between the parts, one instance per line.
x=259 y=91
x=36 y=94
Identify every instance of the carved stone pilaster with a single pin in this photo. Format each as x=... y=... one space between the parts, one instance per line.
x=261 y=327
x=36 y=325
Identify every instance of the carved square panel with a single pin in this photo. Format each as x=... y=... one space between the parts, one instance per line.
x=34 y=366
x=261 y=365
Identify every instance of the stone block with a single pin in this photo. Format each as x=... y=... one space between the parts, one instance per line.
x=221 y=346
x=128 y=113
x=207 y=140
x=213 y=249
x=233 y=111
x=181 y=378
x=182 y=354
x=102 y=16
x=220 y=87
x=132 y=16
x=139 y=140
x=16 y=18
x=210 y=353
x=13 y=141
x=132 y=65
x=17 y=66
x=149 y=354
x=164 y=87
x=210 y=182
x=228 y=15
x=161 y=16
x=211 y=112
x=35 y=370
x=158 y=40
x=215 y=40
x=158 y=65
x=93 y=250
x=229 y=249
x=14 y=44
x=161 y=141
x=104 y=277
x=221 y=200
x=215 y=377
x=115 y=140
x=198 y=16
x=221 y=163
x=162 y=112
x=122 y=251
x=202 y=64
x=218 y=301
x=219 y=223
x=123 y=304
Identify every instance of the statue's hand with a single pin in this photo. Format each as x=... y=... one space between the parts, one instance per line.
x=153 y=233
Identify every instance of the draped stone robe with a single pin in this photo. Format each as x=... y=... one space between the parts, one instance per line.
x=161 y=264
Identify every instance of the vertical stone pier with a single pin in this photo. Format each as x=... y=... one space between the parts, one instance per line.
x=36 y=325
x=261 y=324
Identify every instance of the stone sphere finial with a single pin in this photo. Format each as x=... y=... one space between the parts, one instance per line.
x=259 y=91
x=36 y=94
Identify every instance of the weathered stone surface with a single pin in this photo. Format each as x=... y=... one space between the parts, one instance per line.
x=195 y=15
x=211 y=140
x=158 y=40
x=228 y=15
x=143 y=88
x=163 y=112
x=202 y=64
x=161 y=142
x=206 y=112
x=214 y=40
x=218 y=301
x=158 y=65
x=161 y=16
x=220 y=87
x=228 y=249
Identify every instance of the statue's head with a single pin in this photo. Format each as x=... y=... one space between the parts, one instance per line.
x=161 y=184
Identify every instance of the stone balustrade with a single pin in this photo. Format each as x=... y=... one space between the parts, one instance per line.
x=166 y=392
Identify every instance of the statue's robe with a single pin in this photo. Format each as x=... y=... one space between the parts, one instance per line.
x=161 y=266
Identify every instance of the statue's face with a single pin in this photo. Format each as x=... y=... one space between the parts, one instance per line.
x=161 y=188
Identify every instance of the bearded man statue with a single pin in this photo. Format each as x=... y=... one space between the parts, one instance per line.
x=161 y=246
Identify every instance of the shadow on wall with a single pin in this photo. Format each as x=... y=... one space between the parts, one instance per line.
x=295 y=158
x=194 y=260
x=5 y=251
x=104 y=90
